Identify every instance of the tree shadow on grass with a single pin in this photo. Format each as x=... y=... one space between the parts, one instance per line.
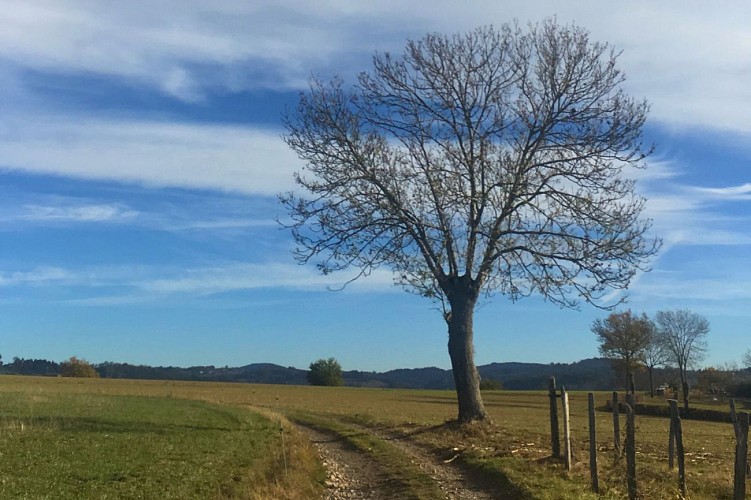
x=450 y=400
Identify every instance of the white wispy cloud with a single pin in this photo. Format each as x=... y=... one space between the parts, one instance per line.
x=724 y=284
x=212 y=225
x=689 y=59
x=256 y=276
x=84 y=213
x=685 y=215
x=694 y=73
x=730 y=193
x=40 y=276
x=180 y=47
x=216 y=213
x=137 y=284
x=231 y=158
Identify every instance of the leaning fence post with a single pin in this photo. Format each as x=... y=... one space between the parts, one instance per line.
x=741 y=458
x=673 y=403
x=566 y=429
x=631 y=400
x=631 y=452
x=679 y=450
x=593 y=443
x=555 y=439
x=736 y=428
x=616 y=426
x=284 y=450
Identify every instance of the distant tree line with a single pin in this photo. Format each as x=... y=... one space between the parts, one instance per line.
x=72 y=367
x=21 y=366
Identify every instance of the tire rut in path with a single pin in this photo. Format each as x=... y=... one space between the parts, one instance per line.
x=350 y=473
x=353 y=474
x=453 y=479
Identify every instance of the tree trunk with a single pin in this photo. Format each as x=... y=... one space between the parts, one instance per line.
x=684 y=384
x=651 y=381
x=627 y=363
x=461 y=351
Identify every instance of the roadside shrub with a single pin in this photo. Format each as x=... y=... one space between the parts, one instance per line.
x=489 y=384
x=80 y=368
x=326 y=372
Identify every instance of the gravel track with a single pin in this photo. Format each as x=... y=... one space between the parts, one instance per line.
x=353 y=474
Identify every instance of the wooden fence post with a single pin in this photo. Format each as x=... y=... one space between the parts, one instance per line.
x=737 y=429
x=566 y=429
x=555 y=439
x=680 y=453
x=593 y=443
x=673 y=403
x=631 y=452
x=616 y=426
x=741 y=458
x=631 y=400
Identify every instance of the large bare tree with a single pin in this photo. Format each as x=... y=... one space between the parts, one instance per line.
x=682 y=334
x=484 y=162
x=623 y=338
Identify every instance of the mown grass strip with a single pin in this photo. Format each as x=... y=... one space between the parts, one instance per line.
x=412 y=482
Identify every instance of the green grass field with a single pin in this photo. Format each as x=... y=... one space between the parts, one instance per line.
x=66 y=438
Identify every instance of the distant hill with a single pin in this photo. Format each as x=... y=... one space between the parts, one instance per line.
x=406 y=378
x=587 y=374
x=592 y=374
x=595 y=374
x=257 y=373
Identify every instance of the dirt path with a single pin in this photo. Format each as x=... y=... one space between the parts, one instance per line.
x=454 y=480
x=353 y=474
x=350 y=473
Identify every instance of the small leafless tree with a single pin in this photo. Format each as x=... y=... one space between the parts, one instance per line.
x=484 y=162
x=747 y=359
x=682 y=334
x=623 y=337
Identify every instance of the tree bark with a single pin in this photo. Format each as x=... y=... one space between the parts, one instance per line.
x=651 y=381
x=628 y=378
x=684 y=384
x=461 y=351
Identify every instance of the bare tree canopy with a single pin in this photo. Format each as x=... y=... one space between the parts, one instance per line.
x=624 y=337
x=490 y=161
x=682 y=334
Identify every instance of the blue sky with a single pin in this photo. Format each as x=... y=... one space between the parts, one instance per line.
x=140 y=155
